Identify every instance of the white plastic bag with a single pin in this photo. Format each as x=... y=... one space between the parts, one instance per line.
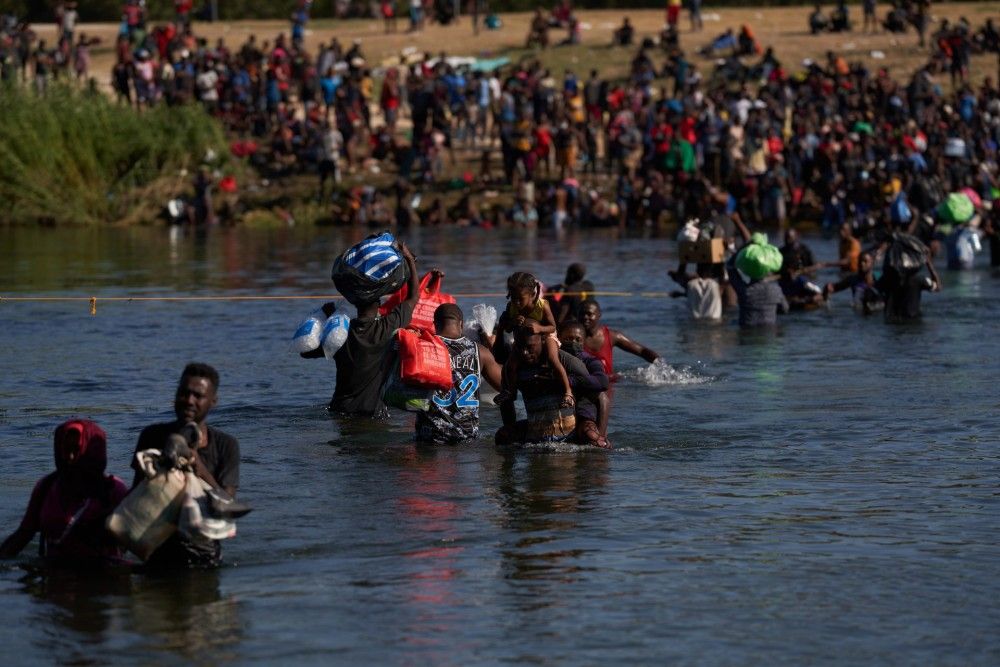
x=690 y=231
x=334 y=334
x=307 y=336
x=484 y=318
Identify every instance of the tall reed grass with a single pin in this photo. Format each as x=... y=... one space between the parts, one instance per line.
x=77 y=157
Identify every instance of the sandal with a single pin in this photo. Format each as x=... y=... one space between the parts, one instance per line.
x=568 y=402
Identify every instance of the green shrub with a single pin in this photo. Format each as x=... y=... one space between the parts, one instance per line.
x=73 y=157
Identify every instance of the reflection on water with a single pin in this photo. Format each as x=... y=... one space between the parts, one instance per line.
x=797 y=495
x=183 y=615
x=541 y=495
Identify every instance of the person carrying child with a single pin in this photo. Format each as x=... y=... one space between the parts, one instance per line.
x=526 y=309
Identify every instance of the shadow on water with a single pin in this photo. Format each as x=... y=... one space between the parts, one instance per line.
x=131 y=614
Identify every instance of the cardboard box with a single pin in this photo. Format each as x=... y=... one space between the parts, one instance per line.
x=703 y=251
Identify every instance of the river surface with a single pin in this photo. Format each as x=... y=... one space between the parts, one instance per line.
x=826 y=494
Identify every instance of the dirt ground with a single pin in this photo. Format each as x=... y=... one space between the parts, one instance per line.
x=784 y=28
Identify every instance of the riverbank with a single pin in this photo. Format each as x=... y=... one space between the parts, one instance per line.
x=108 y=194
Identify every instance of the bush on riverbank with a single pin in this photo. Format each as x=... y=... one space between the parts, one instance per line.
x=75 y=157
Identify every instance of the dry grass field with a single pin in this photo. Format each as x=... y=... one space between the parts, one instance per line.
x=784 y=28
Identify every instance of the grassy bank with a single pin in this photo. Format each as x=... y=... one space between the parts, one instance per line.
x=74 y=158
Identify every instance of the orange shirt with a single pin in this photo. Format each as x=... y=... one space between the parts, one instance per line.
x=850 y=249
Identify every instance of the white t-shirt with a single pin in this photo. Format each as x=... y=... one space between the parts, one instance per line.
x=69 y=20
x=333 y=141
x=206 y=84
x=704 y=299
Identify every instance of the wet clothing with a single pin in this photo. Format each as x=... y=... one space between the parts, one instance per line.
x=794 y=258
x=902 y=294
x=704 y=298
x=863 y=296
x=606 y=353
x=72 y=526
x=362 y=364
x=760 y=301
x=70 y=506
x=586 y=387
x=453 y=415
x=541 y=391
x=221 y=456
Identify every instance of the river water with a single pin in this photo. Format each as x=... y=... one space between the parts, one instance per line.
x=827 y=494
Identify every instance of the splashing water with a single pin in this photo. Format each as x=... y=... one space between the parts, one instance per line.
x=660 y=373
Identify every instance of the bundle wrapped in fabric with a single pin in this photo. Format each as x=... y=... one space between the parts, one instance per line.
x=172 y=498
x=370 y=269
x=148 y=516
x=957 y=208
x=906 y=254
x=759 y=259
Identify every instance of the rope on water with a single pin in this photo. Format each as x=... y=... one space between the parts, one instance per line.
x=92 y=300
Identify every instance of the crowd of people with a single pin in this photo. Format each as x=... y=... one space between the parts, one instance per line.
x=779 y=141
x=900 y=170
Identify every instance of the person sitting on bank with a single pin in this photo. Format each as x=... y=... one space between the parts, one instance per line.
x=70 y=506
x=216 y=461
x=452 y=416
x=625 y=34
x=818 y=22
x=840 y=18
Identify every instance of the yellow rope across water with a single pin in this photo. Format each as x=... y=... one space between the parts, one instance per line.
x=92 y=300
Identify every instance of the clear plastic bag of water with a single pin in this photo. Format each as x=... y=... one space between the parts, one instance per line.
x=334 y=334
x=307 y=336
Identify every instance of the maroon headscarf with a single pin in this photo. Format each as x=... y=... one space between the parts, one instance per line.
x=89 y=443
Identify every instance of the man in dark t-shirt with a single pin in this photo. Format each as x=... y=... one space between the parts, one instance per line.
x=362 y=362
x=217 y=461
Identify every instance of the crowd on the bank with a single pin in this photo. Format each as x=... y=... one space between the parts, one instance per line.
x=779 y=141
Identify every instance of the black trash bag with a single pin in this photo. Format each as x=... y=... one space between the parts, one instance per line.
x=906 y=254
x=370 y=270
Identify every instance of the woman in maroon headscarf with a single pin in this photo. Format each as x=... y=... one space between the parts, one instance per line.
x=69 y=506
